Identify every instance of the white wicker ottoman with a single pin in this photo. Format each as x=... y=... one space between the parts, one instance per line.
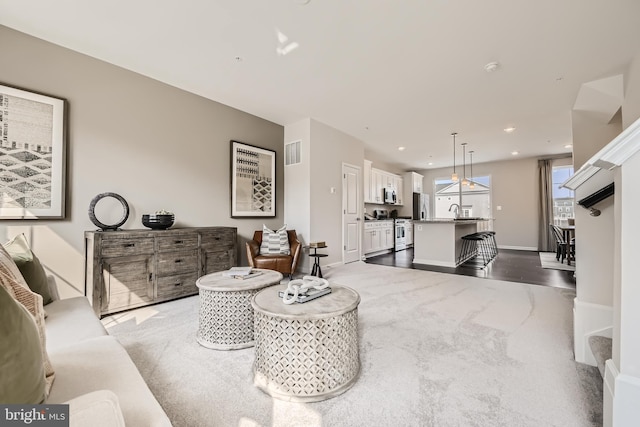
x=306 y=352
x=226 y=315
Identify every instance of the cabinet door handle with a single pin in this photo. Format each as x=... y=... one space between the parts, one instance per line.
x=177 y=284
x=216 y=238
x=177 y=242
x=178 y=260
x=150 y=277
x=129 y=245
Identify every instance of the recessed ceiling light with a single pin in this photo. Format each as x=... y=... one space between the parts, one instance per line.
x=401 y=148
x=491 y=67
x=568 y=146
x=509 y=129
x=514 y=153
x=430 y=163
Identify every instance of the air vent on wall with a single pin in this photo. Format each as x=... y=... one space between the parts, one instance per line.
x=292 y=153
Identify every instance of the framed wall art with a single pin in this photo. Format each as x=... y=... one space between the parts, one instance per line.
x=32 y=155
x=253 y=181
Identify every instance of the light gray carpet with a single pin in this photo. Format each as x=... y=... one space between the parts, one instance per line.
x=548 y=260
x=436 y=350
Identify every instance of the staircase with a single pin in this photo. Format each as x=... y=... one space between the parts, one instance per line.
x=601 y=348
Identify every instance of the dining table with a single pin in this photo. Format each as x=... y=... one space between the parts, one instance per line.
x=568 y=233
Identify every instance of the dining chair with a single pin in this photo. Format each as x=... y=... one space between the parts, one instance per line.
x=561 y=245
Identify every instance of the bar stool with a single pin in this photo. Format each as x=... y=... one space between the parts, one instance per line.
x=491 y=244
x=472 y=246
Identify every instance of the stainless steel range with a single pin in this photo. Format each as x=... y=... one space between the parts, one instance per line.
x=402 y=227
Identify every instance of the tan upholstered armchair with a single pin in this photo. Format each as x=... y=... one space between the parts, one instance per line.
x=285 y=264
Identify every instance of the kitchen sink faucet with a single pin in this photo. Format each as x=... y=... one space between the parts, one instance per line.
x=457 y=211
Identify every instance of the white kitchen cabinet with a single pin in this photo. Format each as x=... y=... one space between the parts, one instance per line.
x=377 y=184
x=399 y=184
x=416 y=182
x=389 y=180
x=378 y=236
x=376 y=180
x=387 y=237
x=371 y=238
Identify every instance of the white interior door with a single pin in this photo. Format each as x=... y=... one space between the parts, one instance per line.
x=351 y=205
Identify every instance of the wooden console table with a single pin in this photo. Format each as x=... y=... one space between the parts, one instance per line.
x=132 y=268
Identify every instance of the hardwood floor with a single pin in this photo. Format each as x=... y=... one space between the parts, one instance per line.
x=514 y=266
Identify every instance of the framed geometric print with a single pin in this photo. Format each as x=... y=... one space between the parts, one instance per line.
x=32 y=155
x=253 y=181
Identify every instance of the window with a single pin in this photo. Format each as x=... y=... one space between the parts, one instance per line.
x=563 y=203
x=476 y=202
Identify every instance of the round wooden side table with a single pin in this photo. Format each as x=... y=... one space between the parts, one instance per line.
x=306 y=352
x=226 y=316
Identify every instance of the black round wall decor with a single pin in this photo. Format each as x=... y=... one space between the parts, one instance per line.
x=108 y=227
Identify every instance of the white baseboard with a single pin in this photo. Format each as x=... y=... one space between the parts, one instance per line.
x=589 y=319
x=519 y=248
x=381 y=252
x=434 y=262
x=621 y=397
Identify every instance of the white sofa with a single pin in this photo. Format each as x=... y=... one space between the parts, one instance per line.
x=93 y=372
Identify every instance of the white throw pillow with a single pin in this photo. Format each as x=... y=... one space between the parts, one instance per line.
x=275 y=242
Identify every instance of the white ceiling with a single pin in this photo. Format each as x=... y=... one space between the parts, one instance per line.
x=390 y=73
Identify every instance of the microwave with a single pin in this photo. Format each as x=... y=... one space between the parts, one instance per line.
x=389 y=195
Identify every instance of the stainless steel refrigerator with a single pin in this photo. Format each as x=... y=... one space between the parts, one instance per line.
x=421 y=206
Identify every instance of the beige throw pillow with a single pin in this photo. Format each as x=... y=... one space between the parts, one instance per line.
x=21 y=368
x=32 y=302
x=29 y=265
x=275 y=242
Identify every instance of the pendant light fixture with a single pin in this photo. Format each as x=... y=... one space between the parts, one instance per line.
x=472 y=184
x=454 y=175
x=464 y=168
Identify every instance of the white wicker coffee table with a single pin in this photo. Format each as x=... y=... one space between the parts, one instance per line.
x=226 y=315
x=306 y=352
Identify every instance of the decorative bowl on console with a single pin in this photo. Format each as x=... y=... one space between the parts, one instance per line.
x=158 y=221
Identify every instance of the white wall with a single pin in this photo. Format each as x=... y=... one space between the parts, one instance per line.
x=329 y=150
x=297 y=184
x=310 y=204
x=622 y=374
x=631 y=103
x=630 y=113
x=627 y=356
x=595 y=235
x=157 y=146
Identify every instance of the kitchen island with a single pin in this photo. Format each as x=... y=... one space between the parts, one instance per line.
x=439 y=241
